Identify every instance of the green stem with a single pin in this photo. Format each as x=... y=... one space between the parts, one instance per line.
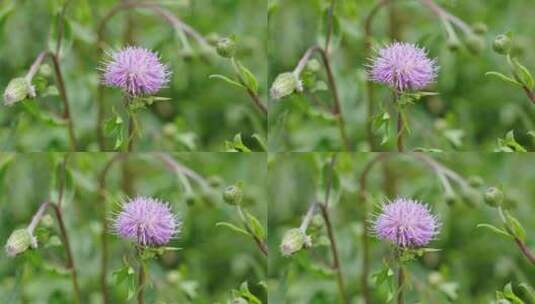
x=142 y=274
x=401 y=283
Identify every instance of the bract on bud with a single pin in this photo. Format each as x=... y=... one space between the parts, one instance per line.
x=293 y=241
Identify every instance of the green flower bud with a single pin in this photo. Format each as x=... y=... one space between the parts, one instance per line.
x=17 y=90
x=471 y=197
x=238 y=300
x=293 y=241
x=480 y=28
x=453 y=44
x=18 y=242
x=233 y=195
x=316 y=222
x=476 y=181
x=226 y=47
x=502 y=44
x=313 y=65
x=285 y=84
x=450 y=199
x=475 y=44
x=47 y=221
x=493 y=197
x=45 y=70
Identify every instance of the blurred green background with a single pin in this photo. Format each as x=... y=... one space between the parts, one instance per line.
x=202 y=114
x=473 y=263
x=471 y=112
x=212 y=262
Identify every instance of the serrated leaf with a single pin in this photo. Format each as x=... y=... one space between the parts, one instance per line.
x=494 y=229
x=228 y=80
x=504 y=78
x=233 y=228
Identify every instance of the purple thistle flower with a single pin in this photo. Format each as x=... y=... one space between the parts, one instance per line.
x=136 y=71
x=403 y=66
x=147 y=221
x=406 y=223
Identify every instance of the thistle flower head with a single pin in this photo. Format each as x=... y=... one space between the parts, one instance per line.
x=403 y=66
x=406 y=223
x=147 y=221
x=136 y=71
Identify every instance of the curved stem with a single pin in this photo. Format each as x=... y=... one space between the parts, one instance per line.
x=525 y=250
x=334 y=251
x=64 y=98
x=61 y=26
x=337 y=109
x=131 y=131
x=330 y=233
x=68 y=251
x=400 y=127
x=330 y=25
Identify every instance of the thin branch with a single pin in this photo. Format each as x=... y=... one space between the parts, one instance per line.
x=337 y=109
x=330 y=25
x=401 y=283
x=61 y=26
x=525 y=250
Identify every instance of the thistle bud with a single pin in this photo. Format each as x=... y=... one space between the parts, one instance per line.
x=226 y=47
x=493 y=197
x=293 y=241
x=453 y=44
x=476 y=181
x=233 y=195
x=313 y=65
x=285 y=84
x=502 y=44
x=480 y=28
x=18 y=242
x=45 y=70
x=238 y=300
x=17 y=90
x=475 y=44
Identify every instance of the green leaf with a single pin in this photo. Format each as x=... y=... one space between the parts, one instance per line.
x=233 y=228
x=523 y=74
x=495 y=229
x=236 y=145
x=260 y=141
x=528 y=291
x=228 y=80
x=516 y=228
x=248 y=78
x=510 y=295
x=509 y=144
x=255 y=225
x=504 y=78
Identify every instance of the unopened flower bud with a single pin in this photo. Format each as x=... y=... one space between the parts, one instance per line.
x=238 y=300
x=17 y=90
x=480 y=28
x=493 y=197
x=233 y=195
x=450 y=199
x=453 y=44
x=226 y=47
x=502 y=44
x=293 y=241
x=45 y=70
x=47 y=221
x=285 y=84
x=18 y=242
x=476 y=181
x=313 y=65
x=475 y=44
